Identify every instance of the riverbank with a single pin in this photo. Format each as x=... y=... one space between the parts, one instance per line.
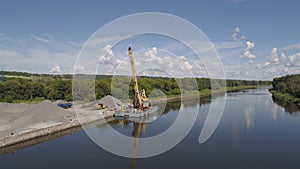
x=41 y=129
x=39 y=121
x=284 y=97
x=38 y=140
x=204 y=93
x=23 y=122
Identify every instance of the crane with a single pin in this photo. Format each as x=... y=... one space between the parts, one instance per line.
x=140 y=99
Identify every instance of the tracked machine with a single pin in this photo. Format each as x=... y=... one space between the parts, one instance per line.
x=141 y=104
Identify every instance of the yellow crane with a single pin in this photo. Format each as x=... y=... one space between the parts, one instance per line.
x=140 y=99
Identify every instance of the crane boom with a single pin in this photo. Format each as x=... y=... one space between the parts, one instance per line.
x=137 y=99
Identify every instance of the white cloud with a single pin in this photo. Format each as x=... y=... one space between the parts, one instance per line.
x=274 y=57
x=108 y=49
x=79 y=69
x=274 y=65
x=75 y=44
x=55 y=70
x=228 y=45
x=199 y=69
x=151 y=56
x=279 y=66
x=291 y=60
x=44 y=40
x=168 y=63
x=108 y=57
x=2 y=34
x=44 y=53
x=286 y=69
x=182 y=58
x=37 y=54
x=186 y=66
x=283 y=57
x=291 y=47
x=235 y=34
x=96 y=42
x=266 y=64
x=247 y=53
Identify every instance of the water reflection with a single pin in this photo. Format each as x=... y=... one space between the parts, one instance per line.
x=254 y=133
x=16 y=147
x=288 y=106
x=248 y=116
x=139 y=129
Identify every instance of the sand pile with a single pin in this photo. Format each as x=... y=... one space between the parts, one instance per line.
x=10 y=112
x=108 y=100
x=90 y=105
x=46 y=110
x=13 y=108
x=17 y=115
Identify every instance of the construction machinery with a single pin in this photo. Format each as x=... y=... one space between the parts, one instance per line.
x=101 y=106
x=141 y=107
x=140 y=100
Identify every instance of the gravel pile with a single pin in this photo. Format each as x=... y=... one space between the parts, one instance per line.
x=13 y=108
x=18 y=115
x=46 y=110
x=109 y=101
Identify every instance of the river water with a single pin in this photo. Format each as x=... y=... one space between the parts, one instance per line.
x=255 y=132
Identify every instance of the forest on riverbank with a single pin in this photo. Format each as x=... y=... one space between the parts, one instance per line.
x=287 y=88
x=22 y=86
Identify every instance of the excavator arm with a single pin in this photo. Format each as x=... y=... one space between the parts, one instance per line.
x=138 y=100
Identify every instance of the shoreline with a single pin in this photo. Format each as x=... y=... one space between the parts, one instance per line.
x=41 y=129
x=284 y=97
x=46 y=128
x=206 y=93
x=41 y=139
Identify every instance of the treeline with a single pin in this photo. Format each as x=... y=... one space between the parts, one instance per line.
x=28 y=89
x=33 y=75
x=60 y=87
x=14 y=73
x=121 y=86
x=288 y=84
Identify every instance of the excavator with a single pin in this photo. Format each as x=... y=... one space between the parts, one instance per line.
x=141 y=103
x=140 y=100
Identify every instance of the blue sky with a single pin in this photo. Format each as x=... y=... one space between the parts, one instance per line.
x=40 y=30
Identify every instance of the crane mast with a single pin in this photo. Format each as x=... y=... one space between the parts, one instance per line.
x=137 y=100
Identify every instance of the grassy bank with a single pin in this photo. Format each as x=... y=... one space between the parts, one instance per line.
x=207 y=92
x=31 y=101
x=203 y=93
x=285 y=96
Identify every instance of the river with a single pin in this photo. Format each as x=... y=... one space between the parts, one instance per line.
x=255 y=132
